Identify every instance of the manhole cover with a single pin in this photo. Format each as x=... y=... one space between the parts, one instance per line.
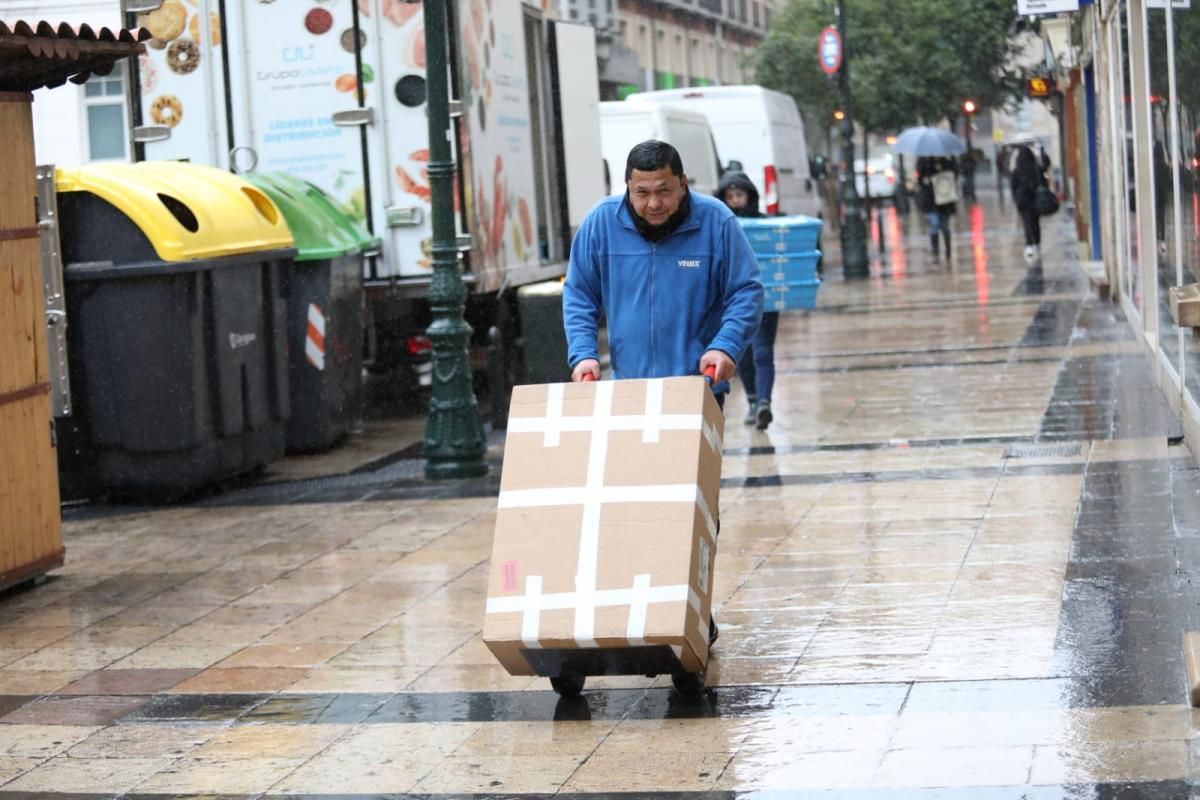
x=1043 y=450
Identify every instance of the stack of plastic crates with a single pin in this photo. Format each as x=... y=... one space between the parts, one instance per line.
x=787 y=251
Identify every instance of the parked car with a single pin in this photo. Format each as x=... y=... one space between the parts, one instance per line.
x=879 y=175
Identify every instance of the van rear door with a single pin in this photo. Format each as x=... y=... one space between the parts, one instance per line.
x=789 y=153
x=621 y=127
x=692 y=137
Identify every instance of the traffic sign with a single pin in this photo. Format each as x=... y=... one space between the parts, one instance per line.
x=830 y=50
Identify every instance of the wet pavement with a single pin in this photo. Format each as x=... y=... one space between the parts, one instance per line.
x=959 y=565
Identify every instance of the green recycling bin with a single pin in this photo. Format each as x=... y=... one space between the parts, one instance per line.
x=324 y=291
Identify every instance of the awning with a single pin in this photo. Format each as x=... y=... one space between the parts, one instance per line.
x=34 y=57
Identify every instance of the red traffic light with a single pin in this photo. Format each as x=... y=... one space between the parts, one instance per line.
x=969 y=107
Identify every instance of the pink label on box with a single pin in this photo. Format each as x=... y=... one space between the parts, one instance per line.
x=508 y=576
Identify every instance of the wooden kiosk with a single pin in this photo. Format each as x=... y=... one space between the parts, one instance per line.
x=30 y=517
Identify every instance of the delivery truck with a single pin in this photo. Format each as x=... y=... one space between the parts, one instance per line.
x=333 y=92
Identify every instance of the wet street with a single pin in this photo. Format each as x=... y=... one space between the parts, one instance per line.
x=958 y=565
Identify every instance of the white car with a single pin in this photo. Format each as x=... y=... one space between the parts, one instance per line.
x=880 y=177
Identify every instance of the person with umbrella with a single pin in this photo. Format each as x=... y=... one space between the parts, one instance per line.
x=937 y=177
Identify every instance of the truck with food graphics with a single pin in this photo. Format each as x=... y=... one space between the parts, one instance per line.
x=333 y=92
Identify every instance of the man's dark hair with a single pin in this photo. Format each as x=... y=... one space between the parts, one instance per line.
x=652 y=155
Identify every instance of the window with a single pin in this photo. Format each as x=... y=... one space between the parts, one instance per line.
x=754 y=6
x=104 y=113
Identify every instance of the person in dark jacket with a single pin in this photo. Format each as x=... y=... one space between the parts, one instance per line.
x=1162 y=194
x=1027 y=176
x=938 y=214
x=757 y=365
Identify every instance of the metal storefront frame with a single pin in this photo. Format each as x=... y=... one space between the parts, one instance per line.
x=1130 y=245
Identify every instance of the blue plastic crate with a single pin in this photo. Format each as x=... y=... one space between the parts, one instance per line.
x=790 y=296
x=789 y=267
x=771 y=235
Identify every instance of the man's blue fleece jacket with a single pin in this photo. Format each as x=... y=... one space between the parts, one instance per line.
x=666 y=303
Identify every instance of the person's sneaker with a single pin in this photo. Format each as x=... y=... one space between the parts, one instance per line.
x=1031 y=253
x=751 y=411
x=763 y=416
x=713 y=631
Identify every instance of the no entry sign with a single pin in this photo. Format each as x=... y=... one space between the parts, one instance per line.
x=830 y=50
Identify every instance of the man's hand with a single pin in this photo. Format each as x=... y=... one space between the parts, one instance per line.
x=723 y=364
x=589 y=366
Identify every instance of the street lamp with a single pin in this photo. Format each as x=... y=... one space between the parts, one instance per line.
x=968 y=167
x=454 y=439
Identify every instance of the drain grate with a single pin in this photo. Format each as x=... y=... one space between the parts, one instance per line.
x=1043 y=450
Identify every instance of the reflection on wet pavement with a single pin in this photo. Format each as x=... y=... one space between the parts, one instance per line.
x=957 y=566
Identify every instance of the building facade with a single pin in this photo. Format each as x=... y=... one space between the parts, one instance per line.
x=667 y=44
x=1130 y=113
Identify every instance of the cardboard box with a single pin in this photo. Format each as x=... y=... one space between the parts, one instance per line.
x=606 y=526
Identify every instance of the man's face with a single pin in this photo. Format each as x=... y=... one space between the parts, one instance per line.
x=656 y=195
x=736 y=198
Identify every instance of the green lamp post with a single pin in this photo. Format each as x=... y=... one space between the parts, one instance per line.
x=855 y=263
x=454 y=441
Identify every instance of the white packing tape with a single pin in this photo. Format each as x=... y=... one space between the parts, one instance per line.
x=698 y=607
x=532 y=612
x=589 y=534
x=709 y=521
x=602 y=598
x=630 y=422
x=585 y=496
x=585 y=611
x=554 y=411
x=654 y=406
x=636 y=629
x=712 y=437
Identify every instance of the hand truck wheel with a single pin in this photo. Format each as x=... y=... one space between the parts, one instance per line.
x=568 y=685
x=690 y=684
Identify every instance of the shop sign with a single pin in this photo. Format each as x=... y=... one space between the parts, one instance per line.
x=1039 y=87
x=1032 y=7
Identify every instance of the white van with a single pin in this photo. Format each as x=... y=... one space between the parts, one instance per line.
x=759 y=128
x=625 y=124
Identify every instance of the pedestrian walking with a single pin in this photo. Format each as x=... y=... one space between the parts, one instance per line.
x=1003 y=157
x=937 y=197
x=673 y=274
x=1028 y=175
x=967 y=166
x=757 y=365
x=670 y=270
x=1162 y=193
